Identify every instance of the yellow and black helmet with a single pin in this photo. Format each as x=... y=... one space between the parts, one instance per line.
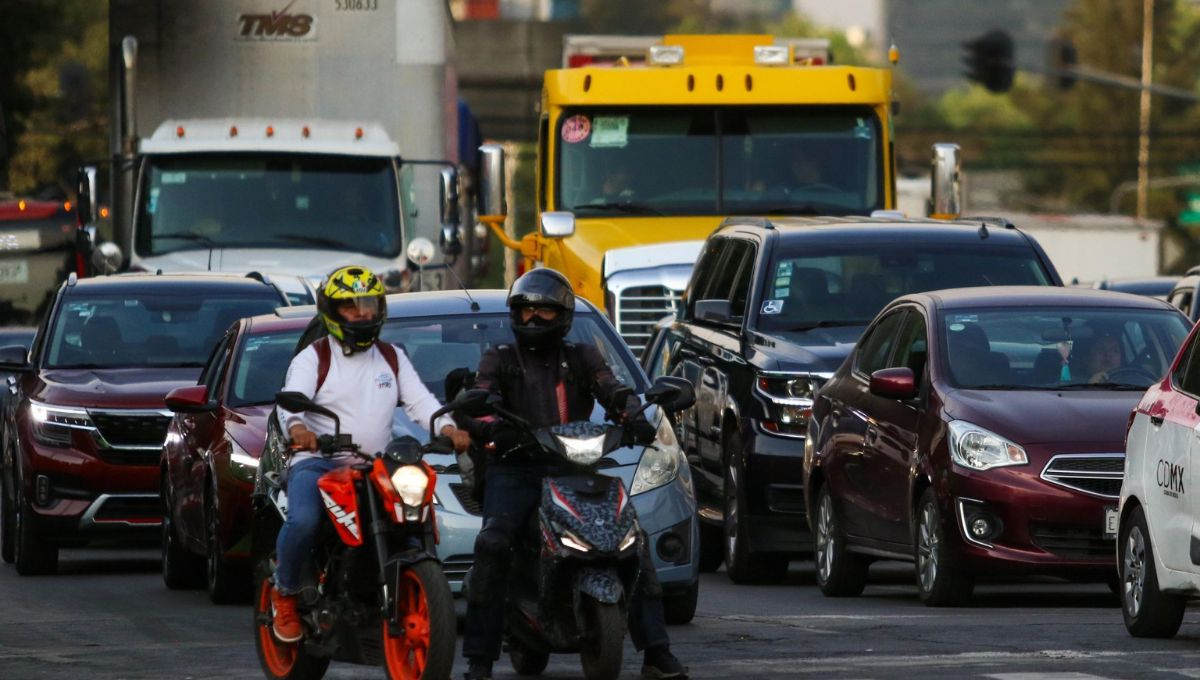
x=353 y=305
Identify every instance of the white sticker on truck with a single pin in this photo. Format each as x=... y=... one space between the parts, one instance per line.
x=610 y=132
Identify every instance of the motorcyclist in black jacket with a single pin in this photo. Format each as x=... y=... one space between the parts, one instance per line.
x=546 y=381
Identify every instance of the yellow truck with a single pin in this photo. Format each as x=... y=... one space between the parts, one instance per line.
x=645 y=144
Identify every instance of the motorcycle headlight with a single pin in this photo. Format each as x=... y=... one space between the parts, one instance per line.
x=629 y=540
x=659 y=465
x=52 y=425
x=973 y=447
x=410 y=482
x=574 y=542
x=582 y=451
x=242 y=464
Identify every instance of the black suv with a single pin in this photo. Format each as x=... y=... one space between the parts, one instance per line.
x=85 y=421
x=772 y=309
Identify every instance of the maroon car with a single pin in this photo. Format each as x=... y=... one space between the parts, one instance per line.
x=211 y=456
x=981 y=431
x=85 y=419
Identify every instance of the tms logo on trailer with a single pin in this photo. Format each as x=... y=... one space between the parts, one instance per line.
x=277 y=26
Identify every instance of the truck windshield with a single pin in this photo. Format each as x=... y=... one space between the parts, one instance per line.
x=765 y=160
x=256 y=201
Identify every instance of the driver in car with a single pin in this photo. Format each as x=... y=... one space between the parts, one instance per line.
x=546 y=381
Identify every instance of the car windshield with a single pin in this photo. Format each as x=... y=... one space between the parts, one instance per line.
x=774 y=160
x=1075 y=348
x=809 y=288
x=253 y=201
x=139 y=329
x=261 y=367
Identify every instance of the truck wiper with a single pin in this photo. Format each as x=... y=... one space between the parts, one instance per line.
x=188 y=236
x=316 y=241
x=623 y=206
x=829 y=324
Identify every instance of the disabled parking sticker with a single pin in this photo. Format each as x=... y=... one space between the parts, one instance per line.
x=576 y=129
x=772 y=306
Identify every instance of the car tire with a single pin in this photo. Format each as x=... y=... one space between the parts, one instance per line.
x=227 y=583
x=526 y=660
x=1148 y=612
x=181 y=570
x=712 y=547
x=840 y=573
x=940 y=582
x=741 y=565
x=8 y=527
x=679 y=606
x=32 y=553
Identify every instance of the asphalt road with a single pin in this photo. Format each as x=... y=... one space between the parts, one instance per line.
x=108 y=615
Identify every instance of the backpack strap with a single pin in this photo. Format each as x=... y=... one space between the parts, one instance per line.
x=324 y=357
x=388 y=350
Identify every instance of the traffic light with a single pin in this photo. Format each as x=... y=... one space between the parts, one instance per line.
x=989 y=60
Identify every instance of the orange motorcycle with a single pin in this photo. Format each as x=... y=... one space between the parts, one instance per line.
x=373 y=592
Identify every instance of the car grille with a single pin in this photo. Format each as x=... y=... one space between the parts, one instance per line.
x=639 y=308
x=455 y=567
x=1098 y=474
x=1072 y=542
x=469 y=504
x=130 y=456
x=135 y=429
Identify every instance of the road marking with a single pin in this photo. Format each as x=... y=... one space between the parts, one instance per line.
x=1045 y=676
x=827 y=664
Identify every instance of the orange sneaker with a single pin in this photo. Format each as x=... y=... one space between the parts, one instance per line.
x=286 y=625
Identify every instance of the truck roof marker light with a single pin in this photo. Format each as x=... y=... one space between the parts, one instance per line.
x=749 y=82
x=772 y=55
x=720 y=82
x=358 y=133
x=233 y=131
x=666 y=55
x=304 y=132
x=691 y=82
x=587 y=82
x=179 y=131
x=577 y=60
x=270 y=130
x=851 y=82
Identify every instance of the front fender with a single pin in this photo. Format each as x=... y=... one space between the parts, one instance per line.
x=401 y=561
x=602 y=585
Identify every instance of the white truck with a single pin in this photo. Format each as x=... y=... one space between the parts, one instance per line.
x=281 y=136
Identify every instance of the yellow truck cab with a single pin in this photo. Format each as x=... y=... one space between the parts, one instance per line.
x=646 y=144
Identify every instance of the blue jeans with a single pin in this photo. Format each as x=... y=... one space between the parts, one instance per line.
x=304 y=511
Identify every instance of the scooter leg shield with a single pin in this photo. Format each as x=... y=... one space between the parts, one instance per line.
x=602 y=585
x=489 y=575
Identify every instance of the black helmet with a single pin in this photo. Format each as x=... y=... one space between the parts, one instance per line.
x=541 y=288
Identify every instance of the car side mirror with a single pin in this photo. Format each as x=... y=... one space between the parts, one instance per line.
x=190 y=399
x=15 y=358
x=894 y=383
x=716 y=311
x=671 y=393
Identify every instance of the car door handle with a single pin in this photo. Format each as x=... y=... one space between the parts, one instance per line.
x=1156 y=419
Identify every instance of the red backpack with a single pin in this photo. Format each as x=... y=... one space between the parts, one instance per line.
x=325 y=355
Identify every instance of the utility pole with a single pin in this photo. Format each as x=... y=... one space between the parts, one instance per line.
x=1144 y=123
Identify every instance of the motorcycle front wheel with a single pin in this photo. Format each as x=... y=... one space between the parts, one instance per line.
x=423 y=646
x=279 y=660
x=604 y=640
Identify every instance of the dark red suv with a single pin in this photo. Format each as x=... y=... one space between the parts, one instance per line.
x=211 y=456
x=85 y=421
x=981 y=431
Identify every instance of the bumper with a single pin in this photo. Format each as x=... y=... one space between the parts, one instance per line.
x=1039 y=527
x=458 y=521
x=668 y=516
x=775 y=493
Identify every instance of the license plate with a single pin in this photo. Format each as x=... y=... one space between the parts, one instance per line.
x=14 y=271
x=1110 y=522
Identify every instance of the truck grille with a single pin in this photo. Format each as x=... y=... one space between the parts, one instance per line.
x=1098 y=474
x=639 y=308
x=133 y=429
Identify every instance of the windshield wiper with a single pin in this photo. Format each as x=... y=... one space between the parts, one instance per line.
x=1103 y=385
x=188 y=236
x=1007 y=386
x=317 y=241
x=829 y=324
x=623 y=206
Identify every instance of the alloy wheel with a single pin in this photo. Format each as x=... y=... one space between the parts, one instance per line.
x=824 y=538
x=1133 y=579
x=928 y=548
x=731 y=514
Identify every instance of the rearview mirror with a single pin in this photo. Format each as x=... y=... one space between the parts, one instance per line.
x=106 y=258
x=894 y=383
x=558 y=224
x=190 y=399
x=717 y=311
x=491 y=180
x=85 y=206
x=15 y=358
x=671 y=393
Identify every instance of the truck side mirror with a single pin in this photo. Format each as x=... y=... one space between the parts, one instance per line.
x=945 y=176
x=449 y=196
x=558 y=224
x=106 y=258
x=85 y=206
x=491 y=181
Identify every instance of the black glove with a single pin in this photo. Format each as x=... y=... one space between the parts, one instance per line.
x=506 y=437
x=640 y=431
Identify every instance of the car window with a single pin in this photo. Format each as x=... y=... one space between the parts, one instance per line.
x=741 y=283
x=1187 y=374
x=876 y=346
x=1057 y=347
x=217 y=361
x=142 y=329
x=807 y=286
x=262 y=363
x=660 y=358
x=912 y=348
x=735 y=252
x=702 y=272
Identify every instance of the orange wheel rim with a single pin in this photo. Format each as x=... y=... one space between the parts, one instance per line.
x=278 y=657
x=406 y=653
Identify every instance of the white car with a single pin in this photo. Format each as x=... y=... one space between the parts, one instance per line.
x=1158 y=547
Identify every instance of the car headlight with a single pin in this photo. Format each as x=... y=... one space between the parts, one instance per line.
x=788 y=399
x=410 y=482
x=659 y=464
x=242 y=464
x=974 y=447
x=582 y=451
x=52 y=425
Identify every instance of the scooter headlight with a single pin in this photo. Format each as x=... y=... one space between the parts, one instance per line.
x=410 y=482
x=629 y=540
x=582 y=451
x=574 y=542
